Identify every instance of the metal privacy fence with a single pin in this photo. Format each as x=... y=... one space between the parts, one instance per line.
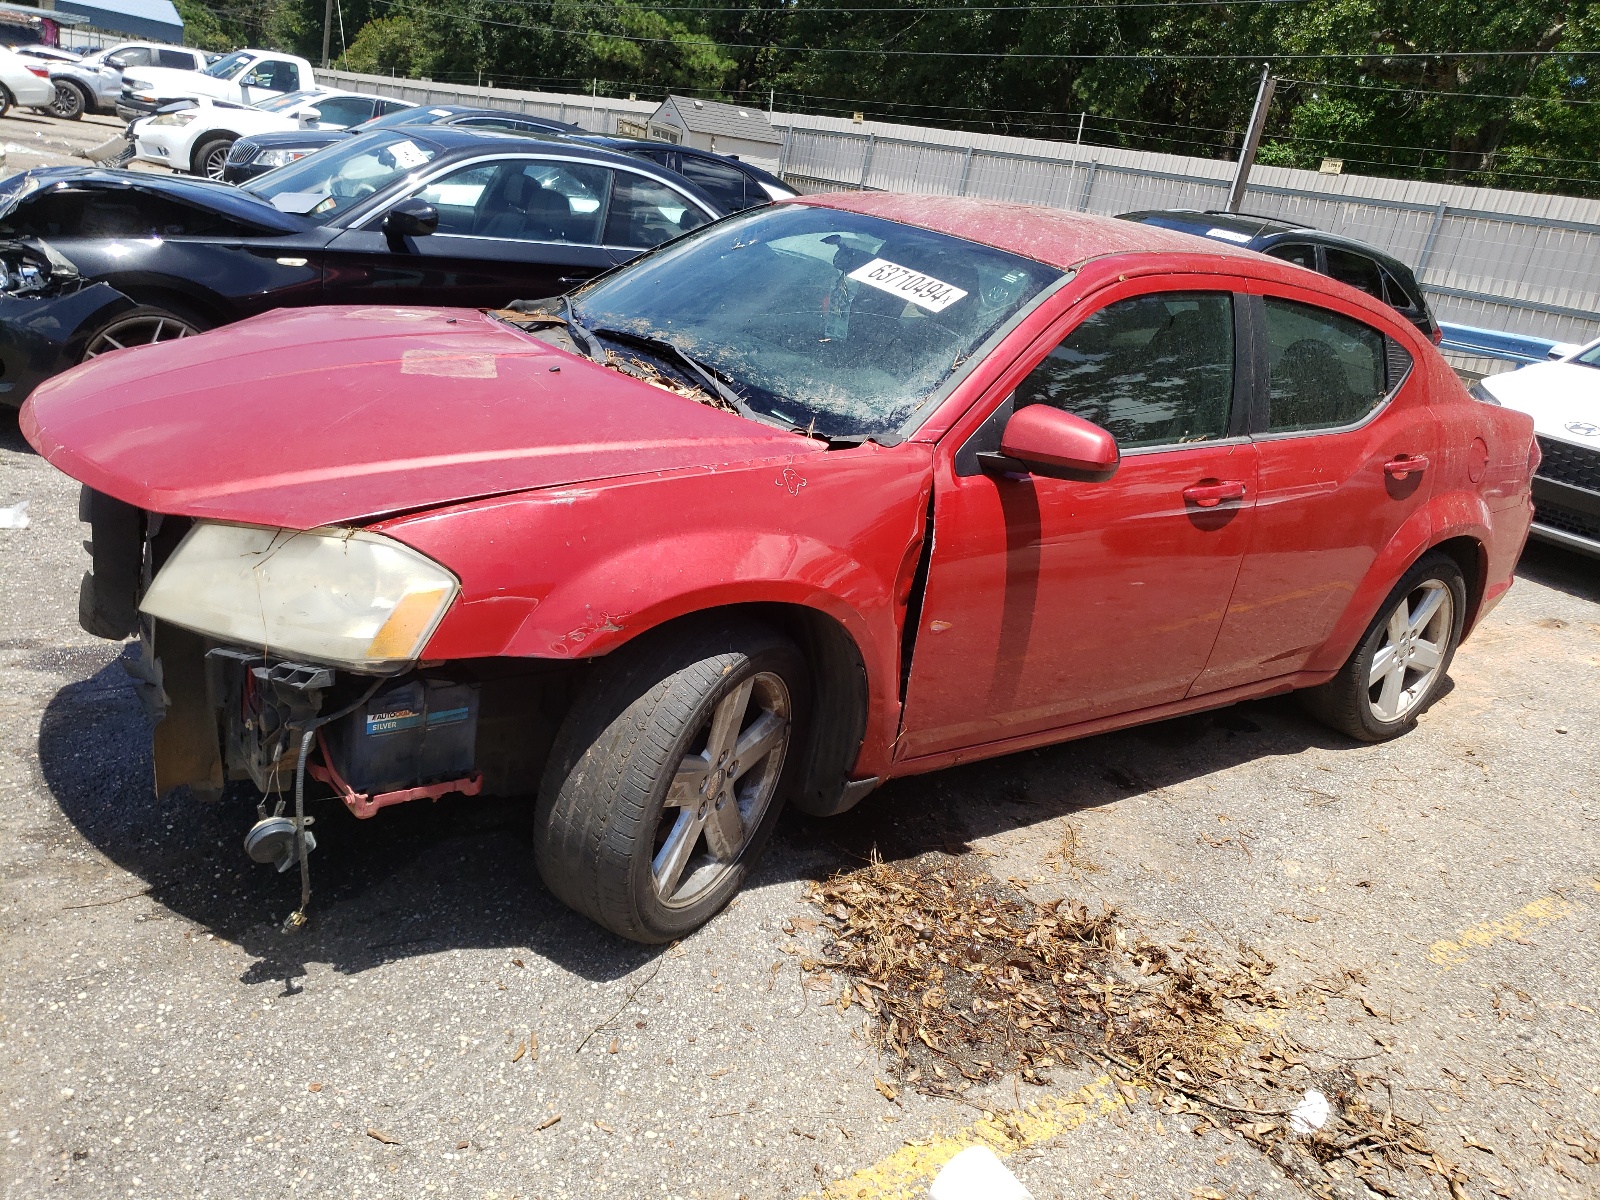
x=1520 y=262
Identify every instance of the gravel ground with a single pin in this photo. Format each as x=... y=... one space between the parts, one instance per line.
x=33 y=139
x=159 y=1037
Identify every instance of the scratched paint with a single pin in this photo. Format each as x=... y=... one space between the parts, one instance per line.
x=1513 y=927
x=909 y=1170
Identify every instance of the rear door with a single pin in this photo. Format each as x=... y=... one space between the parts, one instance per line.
x=511 y=227
x=1335 y=425
x=1050 y=602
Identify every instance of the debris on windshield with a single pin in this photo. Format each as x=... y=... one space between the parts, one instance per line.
x=965 y=980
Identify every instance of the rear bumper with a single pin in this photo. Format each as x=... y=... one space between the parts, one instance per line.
x=38 y=93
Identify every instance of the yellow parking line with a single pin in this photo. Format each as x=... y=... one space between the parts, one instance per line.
x=1546 y=910
x=909 y=1170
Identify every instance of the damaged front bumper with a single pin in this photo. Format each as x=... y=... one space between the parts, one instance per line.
x=48 y=313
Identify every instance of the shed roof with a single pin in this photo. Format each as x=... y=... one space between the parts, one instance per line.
x=721 y=120
x=157 y=20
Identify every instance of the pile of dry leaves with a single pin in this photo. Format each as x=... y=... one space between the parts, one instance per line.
x=967 y=980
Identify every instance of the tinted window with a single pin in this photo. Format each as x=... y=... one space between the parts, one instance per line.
x=180 y=60
x=1298 y=253
x=342 y=111
x=388 y=106
x=1154 y=370
x=645 y=213
x=1359 y=271
x=526 y=200
x=1397 y=296
x=1325 y=369
x=724 y=183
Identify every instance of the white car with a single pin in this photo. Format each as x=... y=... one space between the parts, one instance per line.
x=243 y=77
x=198 y=139
x=1563 y=398
x=24 y=81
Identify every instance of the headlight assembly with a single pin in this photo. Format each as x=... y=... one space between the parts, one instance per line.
x=342 y=596
x=181 y=117
x=279 y=158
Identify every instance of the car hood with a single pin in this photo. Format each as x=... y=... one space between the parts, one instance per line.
x=311 y=417
x=165 y=81
x=1562 y=398
x=218 y=197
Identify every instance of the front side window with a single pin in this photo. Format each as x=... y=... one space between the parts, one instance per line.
x=1298 y=253
x=1357 y=270
x=645 y=213
x=340 y=112
x=834 y=322
x=133 y=56
x=1153 y=370
x=340 y=177
x=273 y=76
x=1324 y=369
x=521 y=199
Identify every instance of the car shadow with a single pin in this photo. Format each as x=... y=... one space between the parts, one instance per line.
x=423 y=878
x=10 y=433
x=1564 y=570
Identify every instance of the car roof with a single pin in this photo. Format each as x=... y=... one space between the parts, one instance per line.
x=1053 y=236
x=629 y=145
x=1264 y=232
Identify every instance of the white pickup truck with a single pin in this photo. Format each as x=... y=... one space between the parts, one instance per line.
x=244 y=77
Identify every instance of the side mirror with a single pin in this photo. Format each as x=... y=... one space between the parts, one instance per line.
x=411 y=218
x=1046 y=441
x=115 y=63
x=307 y=116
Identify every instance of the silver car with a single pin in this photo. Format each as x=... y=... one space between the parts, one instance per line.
x=93 y=84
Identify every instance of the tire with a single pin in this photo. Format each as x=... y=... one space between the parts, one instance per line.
x=144 y=325
x=71 y=101
x=6 y=100
x=1375 y=698
x=211 y=157
x=612 y=837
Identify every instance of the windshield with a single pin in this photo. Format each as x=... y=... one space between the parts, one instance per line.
x=827 y=321
x=1590 y=357
x=279 y=103
x=228 y=64
x=320 y=185
x=404 y=116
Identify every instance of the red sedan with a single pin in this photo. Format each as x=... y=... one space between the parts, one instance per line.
x=825 y=493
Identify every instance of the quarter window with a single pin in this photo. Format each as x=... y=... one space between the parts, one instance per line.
x=1155 y=370
x=1324 y=369
x=645 y=213
x=723 y=184
x=178 y=60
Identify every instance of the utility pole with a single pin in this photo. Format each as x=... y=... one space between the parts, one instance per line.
x=1252 y=139
x=327 y=31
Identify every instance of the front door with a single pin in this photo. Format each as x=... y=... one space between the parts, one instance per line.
x=1051 y=602
x=1335 y=429
x=509 y=229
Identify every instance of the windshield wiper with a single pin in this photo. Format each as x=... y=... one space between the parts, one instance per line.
x=582 y=335
x=709 y=379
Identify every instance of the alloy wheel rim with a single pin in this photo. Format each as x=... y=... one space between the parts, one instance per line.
x=1411 y=654
x=67 y=101
x=217 y=162
x=722 y=790
x=144 y=330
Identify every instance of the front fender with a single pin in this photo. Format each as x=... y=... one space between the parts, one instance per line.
x=576 y=572
x=1451 y=515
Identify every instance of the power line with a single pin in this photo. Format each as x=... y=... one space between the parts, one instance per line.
x=1429 y=95
x=1146 y=58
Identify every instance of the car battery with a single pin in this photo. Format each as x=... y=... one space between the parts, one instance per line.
x=408 y=734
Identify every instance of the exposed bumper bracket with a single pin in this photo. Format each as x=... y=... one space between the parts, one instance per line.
x=365 y=806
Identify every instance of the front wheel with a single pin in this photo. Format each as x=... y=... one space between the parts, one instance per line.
x=142 y=326
x=1399 y=667
x=211 y=157
x=6 y=100
x=668 y=776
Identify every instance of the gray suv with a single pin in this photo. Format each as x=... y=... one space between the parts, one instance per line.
x=93 y=84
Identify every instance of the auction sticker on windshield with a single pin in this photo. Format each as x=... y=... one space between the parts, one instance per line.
x=922 y=290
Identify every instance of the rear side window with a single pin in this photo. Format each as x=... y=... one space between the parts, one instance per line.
x=1359 y=271
x=1153 y=370
x=1298 y=253
x=645 y=213
x=1324 y=369
x=342 y=111
x=724 y=184
x=1398 y=297
x=180 y=60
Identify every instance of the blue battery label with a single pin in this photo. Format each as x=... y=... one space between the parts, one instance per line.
x=393 y=722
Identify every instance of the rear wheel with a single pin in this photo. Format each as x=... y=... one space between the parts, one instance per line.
x=211 y=157
x=6 y=100
x=1399 y=667
x=71 y=101
x=145 y=325
x=668 y=776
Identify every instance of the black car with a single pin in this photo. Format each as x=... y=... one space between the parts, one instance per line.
x=1362 y=267
x=732 y=184
x=97 y=259
x=263 y=152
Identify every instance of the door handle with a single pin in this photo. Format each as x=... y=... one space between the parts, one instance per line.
x=1402 y=465
x=1209 y=495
